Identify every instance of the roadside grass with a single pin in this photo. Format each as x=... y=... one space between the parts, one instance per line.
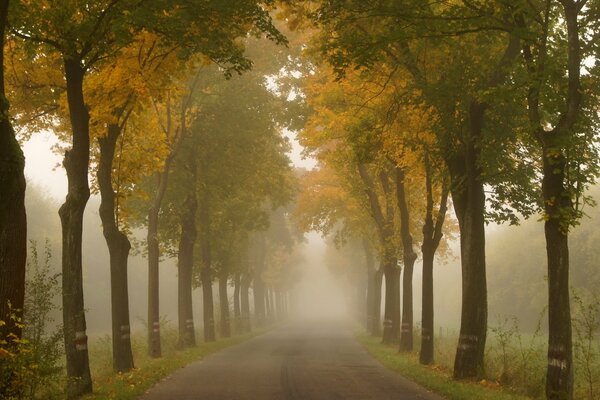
x=435 y=378
x=148 y=371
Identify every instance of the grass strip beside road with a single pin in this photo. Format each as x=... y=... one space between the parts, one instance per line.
x=149 y=371
x=431 y=377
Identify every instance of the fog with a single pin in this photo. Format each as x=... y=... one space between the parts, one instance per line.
x=318 y=294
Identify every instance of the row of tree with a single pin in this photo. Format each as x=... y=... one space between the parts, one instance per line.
x=492 y=102
x=137 y=90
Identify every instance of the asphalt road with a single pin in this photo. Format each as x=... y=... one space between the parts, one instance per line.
x=299 y=361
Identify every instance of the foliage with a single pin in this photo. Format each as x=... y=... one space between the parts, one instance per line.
x=31 y=367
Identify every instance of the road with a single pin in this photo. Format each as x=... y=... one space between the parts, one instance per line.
x=299 y=361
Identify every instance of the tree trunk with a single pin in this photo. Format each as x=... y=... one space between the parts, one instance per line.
x=377 y=283
x=432 y=235
x=268 y=304
x=76 y=163
x=559 y=375
x=258 y=285
x=245 y=304
x=13 y=220
x=187 y=333
x=224 y=302
x=370 y=264
x=118 y=248
x=469 y=204
x=409 y=258
x=427 y=327
x=206 y=274
x=406 y=332
x=236 y=297
x=391 y=314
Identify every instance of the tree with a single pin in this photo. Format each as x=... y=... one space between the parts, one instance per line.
x=464 y=89
x=13 y=220
x=553 y=40
x=116 y=90
x=83 y=34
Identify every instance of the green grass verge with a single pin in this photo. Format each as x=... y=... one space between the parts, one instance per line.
x=148 y=371
x=433 y=377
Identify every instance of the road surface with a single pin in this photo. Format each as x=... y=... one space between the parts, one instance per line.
x=299 y=361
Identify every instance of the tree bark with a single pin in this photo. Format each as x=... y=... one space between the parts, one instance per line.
x=13 y=220
x=376 y=323
x=187 y=332
x=154 y=344
x=559 y=375
x=224 y=303
x=469 y=204
x=258 y=259
x=391 y=271
x=76 y=163
x=236 y=297
x=370 y=264
x=206 y=274
x=391 y=313
x=118 y=248
x=409 y=258
x=432 y=235
x=245 y=304
x=269 y=310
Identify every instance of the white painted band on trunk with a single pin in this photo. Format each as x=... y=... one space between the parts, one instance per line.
x=470 y=338
x=189 y=321
x=81 y=346
x=155 y=330
x=80 y=335
x=125 y=328
x=557 y=363
x=466 y=346
x=156 y=324
x=125 y=336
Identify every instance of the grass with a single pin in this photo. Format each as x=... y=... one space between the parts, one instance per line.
x=148 y=371
x=435 y=378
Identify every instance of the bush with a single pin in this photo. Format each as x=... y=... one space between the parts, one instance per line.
x=30 y=366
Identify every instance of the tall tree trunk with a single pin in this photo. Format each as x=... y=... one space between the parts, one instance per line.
x=391 y=271
x=409 y=258
x=206 y=274
x=406 y=331
x=258 y=260
x=13 y=220
x=224 y=302
x=118 y=248
x=269 y=310
x=76 y=163
x=245 y=304
x=559 y=208
x=370 y=264
x=376 y=322
x=236 y=297
x=391 y=313
x=154 y=345
x=559 y=375
x=187 y=333
x=432 y=235
x=469 y=204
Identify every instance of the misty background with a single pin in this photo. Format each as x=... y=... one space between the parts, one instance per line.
x=515 y=258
